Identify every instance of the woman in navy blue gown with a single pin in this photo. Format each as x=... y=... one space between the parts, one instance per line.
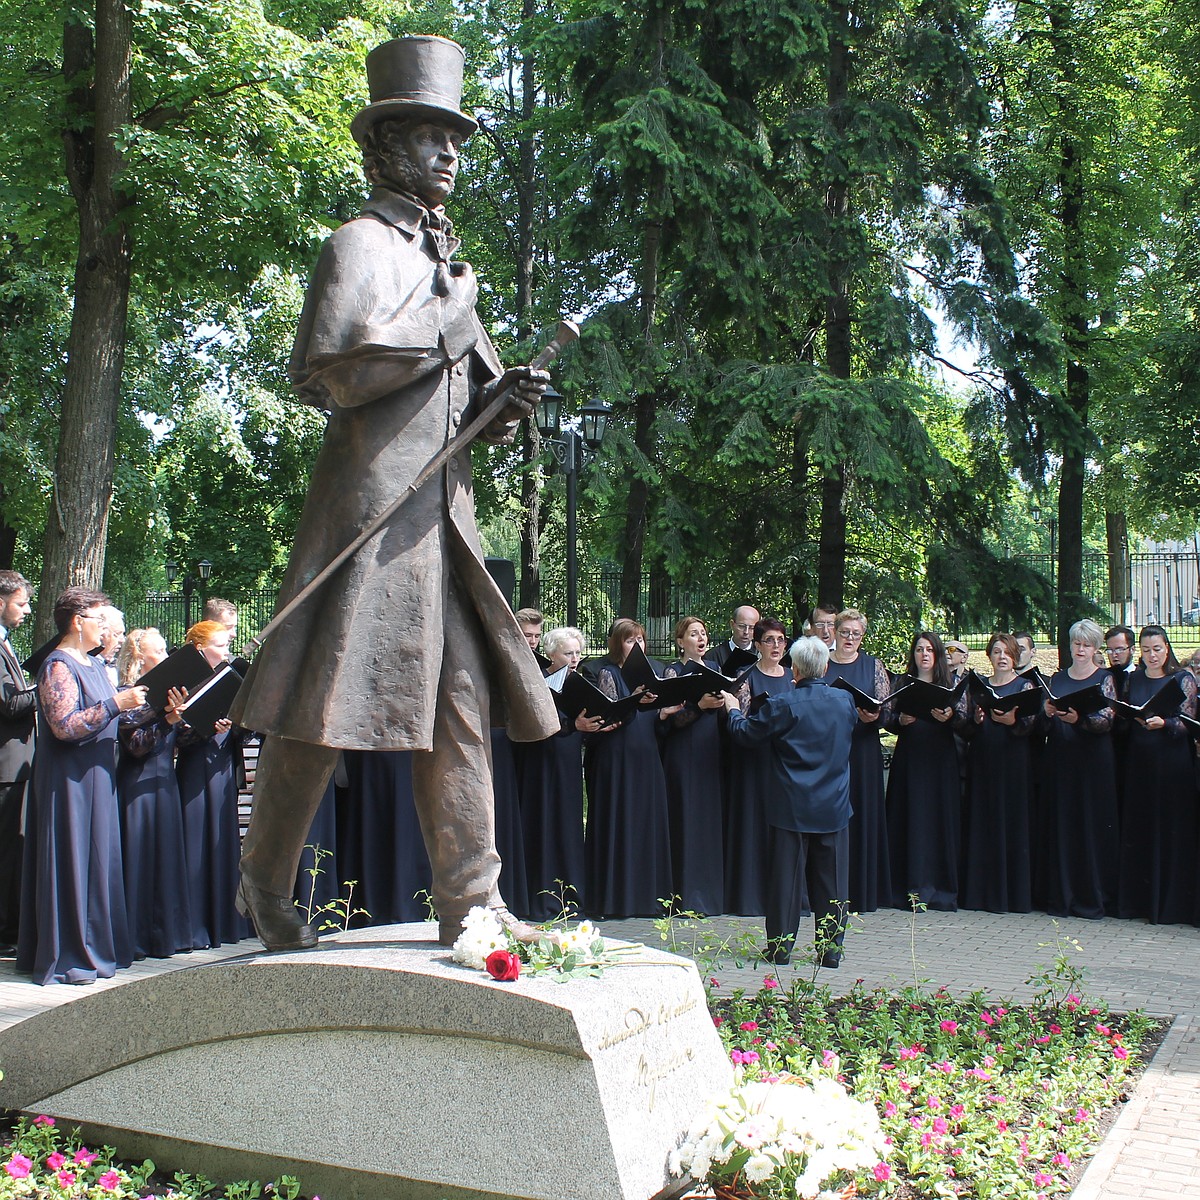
x=996 y=874
x=207 y=769
x=550 y=783
x=691 y=752
x=1079 y=798
x=870 y=868
x=1159 y=828
x=74 y=927
x=156 y=895
x=379 y=842
x=924 y=791
x=750 y=776
x=627 y=844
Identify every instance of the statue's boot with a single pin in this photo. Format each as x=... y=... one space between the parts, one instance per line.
x=289 y=786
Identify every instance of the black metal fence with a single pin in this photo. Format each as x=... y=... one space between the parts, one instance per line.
x=1162 y=587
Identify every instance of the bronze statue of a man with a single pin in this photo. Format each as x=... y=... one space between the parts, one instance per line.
x=410 y=643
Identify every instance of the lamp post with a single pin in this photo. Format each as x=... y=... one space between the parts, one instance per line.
x=573 y=449
x=203 y=570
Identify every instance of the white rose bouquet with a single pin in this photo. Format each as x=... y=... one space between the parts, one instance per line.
x=787 y=1138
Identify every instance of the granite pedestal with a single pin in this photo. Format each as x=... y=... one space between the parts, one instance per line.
x=374 y=1066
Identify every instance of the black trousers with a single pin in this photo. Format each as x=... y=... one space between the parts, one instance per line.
x=11 y=846
x=821 y=859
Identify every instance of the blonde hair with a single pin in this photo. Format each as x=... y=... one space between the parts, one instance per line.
x=130 y=660
x=850 y=614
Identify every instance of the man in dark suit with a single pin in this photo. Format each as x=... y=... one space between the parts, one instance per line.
x=18 y=716
x=741 y=635
x=808 y=731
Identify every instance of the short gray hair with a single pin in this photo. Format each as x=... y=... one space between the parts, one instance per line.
x=1087 y=631
x=810 y=657
x=557 y=638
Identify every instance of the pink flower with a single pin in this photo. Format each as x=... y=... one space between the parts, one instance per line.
x=987 y=1018
x=1081 y=1115
x=55 y=1160
x=1103 y=1030
x=42 y=1119
x=718 y=1022
x=770 y=982
x=749 y=1026
x=1120 y=1052
x=1041 y=1179
x=949 y=1026
x=1073 y=1002
x=882 y=1172
x=957 y=1110
x=65 y=1178
x=1002 y=1126
x=828 y=1058
x=909 y=1052
x=889 y=1108
x=905 y=1086
x=1056 y=1029
x=1001 y=1012
x=19 y=1166
x=988 y=1061
x=1041 y=1041
x=84 y=1157
x=934 y=1102
x=916 y=1122
x=713 y=981
x=946 y=1068
x=1061 y=1160
x=770 y=1046
x=109 y=1181
x=940 y=1125
x=927 y=1139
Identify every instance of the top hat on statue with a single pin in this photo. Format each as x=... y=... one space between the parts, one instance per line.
x=415 y=77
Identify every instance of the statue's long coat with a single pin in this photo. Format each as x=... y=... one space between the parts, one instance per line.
x=390 y=345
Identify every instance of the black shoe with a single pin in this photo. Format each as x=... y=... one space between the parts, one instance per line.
x=7 y=950
x=274 y=918
x=831 y=959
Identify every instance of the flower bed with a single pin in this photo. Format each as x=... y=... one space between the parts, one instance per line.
x=976 y=1098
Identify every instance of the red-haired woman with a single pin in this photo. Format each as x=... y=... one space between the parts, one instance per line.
x=208 y=769
x=627 y=845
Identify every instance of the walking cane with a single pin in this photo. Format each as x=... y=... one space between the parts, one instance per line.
x=564 y=335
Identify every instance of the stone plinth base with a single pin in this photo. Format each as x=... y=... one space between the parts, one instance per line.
x=375 y=1066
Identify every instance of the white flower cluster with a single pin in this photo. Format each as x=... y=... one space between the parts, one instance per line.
x=797 y=1134
x=482 y=933
x=579 y=938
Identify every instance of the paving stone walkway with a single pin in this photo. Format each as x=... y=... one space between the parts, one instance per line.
x=1153 y=1150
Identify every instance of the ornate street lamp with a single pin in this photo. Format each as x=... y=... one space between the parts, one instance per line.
x=572 y=449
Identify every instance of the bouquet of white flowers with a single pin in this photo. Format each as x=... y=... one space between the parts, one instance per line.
x=787 y=1138
x=567 y=952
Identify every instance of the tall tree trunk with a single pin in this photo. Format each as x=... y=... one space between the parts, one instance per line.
x=831 y=556
x=530 y=593
x=798 y=584
x=637 y=507
x=1076 y=313
x=96 y=67
x=1116 y=533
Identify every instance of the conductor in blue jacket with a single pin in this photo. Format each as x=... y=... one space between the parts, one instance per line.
x=807 y=732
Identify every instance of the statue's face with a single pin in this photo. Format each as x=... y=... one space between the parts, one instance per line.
x=432 y=152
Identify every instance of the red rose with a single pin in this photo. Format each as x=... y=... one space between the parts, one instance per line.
x=503 y=966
